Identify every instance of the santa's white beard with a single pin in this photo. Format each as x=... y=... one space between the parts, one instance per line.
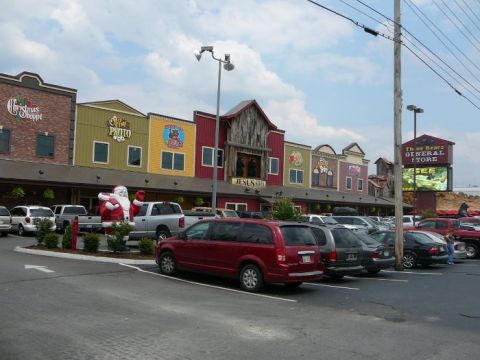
x=125 y=204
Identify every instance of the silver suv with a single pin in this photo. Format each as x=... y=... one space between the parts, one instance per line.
x=5 y=221
x=23 y=218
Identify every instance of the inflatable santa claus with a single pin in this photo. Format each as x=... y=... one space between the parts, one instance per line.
x=116 y=207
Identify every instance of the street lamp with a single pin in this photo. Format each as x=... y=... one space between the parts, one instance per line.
x=227 y=65
x=416 y=110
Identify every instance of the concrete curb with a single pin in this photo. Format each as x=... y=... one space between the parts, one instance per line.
x=83 y=257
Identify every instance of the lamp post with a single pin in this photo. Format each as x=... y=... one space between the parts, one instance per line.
x=227 y=65
x=416 y=110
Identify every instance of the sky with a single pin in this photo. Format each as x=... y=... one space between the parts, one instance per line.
x=316 y=75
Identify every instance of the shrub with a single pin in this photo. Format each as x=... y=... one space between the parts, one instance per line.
x=48 y=194
x=428 y=213
x=67 y=237
x=51 y=240
x=120 y=231
x=146 y=246
x=43 y=228
x=18 y=192
x=91 y=242
x=283 y=209
x=198 y=201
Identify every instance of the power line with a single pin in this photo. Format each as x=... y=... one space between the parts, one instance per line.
x=467 y=15
x=473 y=12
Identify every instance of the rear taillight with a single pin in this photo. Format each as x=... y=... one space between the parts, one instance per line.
x=332 y=256
x=181 y=222
x=27 y=220
x=281 y=256
x=433 y=250
x=375 y=255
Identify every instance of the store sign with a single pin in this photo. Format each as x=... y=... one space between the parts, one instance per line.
x=426 y=179
x=174 y=136
x=425 y=154
x=119 y=129
x=295 y=158
x=250 y=183
x=23 y=109
x=354 y=170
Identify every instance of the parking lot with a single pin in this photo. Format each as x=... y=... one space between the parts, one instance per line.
x=84 y=309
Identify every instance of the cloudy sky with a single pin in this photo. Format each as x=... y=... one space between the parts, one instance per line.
x=316 y=75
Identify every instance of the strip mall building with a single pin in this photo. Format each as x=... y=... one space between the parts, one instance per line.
x=59 y=151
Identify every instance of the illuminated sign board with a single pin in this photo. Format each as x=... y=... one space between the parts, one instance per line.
x=427 y=179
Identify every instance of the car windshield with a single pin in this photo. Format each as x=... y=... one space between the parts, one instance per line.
x=344 y=238
x=370 y=221
x=438 y=236
x=330 y=220
x=367 y=239
x=75 y=210
x=419 y=238
x=4 y=212
x=298 y=235
x=41 y=212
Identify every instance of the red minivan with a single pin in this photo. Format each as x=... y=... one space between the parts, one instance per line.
x=256 y=251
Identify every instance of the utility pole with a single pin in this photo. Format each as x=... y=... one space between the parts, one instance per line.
x=397 y=106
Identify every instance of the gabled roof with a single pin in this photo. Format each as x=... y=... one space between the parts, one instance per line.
x=327 y=146
x=242 y=106
x=427 y=140
x=26 y=78
x=351 y=148
x=385 y=160
x=113 y=105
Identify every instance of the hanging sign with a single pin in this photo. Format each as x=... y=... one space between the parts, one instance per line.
x=23 y=109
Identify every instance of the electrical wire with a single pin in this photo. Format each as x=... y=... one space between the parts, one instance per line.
x=467 y=15
x=473 y=12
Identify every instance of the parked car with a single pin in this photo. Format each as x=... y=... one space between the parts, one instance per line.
x=408 y=219
x=416 y=249
x=5 y=221
x=223 y=213
x=341 y=250
x=362 y=222
x=23 y=218
x=460 y=253
x=65 y=214
x=376 y=256
x=158 y=220
x=322 y=219
x=251 y=214
x=255 y=251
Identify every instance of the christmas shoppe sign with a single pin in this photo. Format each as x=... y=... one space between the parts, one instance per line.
x=23 y=109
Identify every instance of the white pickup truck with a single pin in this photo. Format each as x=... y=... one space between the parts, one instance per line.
x=64 y=215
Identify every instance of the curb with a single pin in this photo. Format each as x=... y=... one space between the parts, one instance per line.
x=84 y=257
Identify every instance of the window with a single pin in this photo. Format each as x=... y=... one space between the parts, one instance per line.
x=236 y=206
x=296 y=176
x=297 y=235
x=197 y=231
x=4 y=141
x=430 y=224
x=442 y=224
x=134 y=156
x=100 y=152
x=173 y=161
x=273 y=166
x=223 y=231
x=360 y=184
x=207 y=157
x=45 y=145
x=255 y=233
x=348 y=183
x=320 y=236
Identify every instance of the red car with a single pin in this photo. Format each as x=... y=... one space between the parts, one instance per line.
x=255 y=251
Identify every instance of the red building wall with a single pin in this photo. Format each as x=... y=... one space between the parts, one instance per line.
x=275 y=141
x=252 y=204
x=205 y=136
x=344 y=171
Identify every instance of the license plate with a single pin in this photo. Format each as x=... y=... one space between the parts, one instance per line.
x=351 y=257
x=306 y=259
x=386 y=253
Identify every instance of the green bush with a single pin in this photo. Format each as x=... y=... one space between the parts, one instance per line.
x=146 y=246
x=67 y=237
x=428 y=213
x=120 y=231
x=51 y=240
x=91 y=242
x=43 y=228
x=283 y=209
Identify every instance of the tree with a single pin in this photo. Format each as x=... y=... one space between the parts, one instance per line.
x=283 y=209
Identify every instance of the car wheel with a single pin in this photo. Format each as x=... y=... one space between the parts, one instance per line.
x=251 y=278
x=21 y=230
x=472 y=250
x=293 y=285
x=409 y=261
x=373 y=272
x=162 y=234
x=167 y=264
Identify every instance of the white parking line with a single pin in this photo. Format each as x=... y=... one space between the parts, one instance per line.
x=333 y=286
x=378 y=279
x=412 y=272
x=206 y=285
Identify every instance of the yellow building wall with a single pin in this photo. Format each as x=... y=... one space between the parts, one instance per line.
x=160 y=128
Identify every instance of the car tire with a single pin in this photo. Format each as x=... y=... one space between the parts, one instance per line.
x=167 y=264
x=472 y=251
x=373 y=272
x=409 y=261
x=251 y=278
x=21 y=230
x=162 y=234
x=293 y=285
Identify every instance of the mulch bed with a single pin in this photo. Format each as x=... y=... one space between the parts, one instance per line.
x=101 y=253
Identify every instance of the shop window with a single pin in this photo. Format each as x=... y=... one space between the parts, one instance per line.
x=236 y=206
x=100 y=152
x=360 y=184
x=207 y=157
x=273 y=166
x=134 y=156
x=348 y=183
x=4 y=141
x=296 y=176
x=45 y=145
x=248 y=165
x=173 y=161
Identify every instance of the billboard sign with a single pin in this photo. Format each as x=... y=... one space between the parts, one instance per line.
x=430 y=151
x=427 y=179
